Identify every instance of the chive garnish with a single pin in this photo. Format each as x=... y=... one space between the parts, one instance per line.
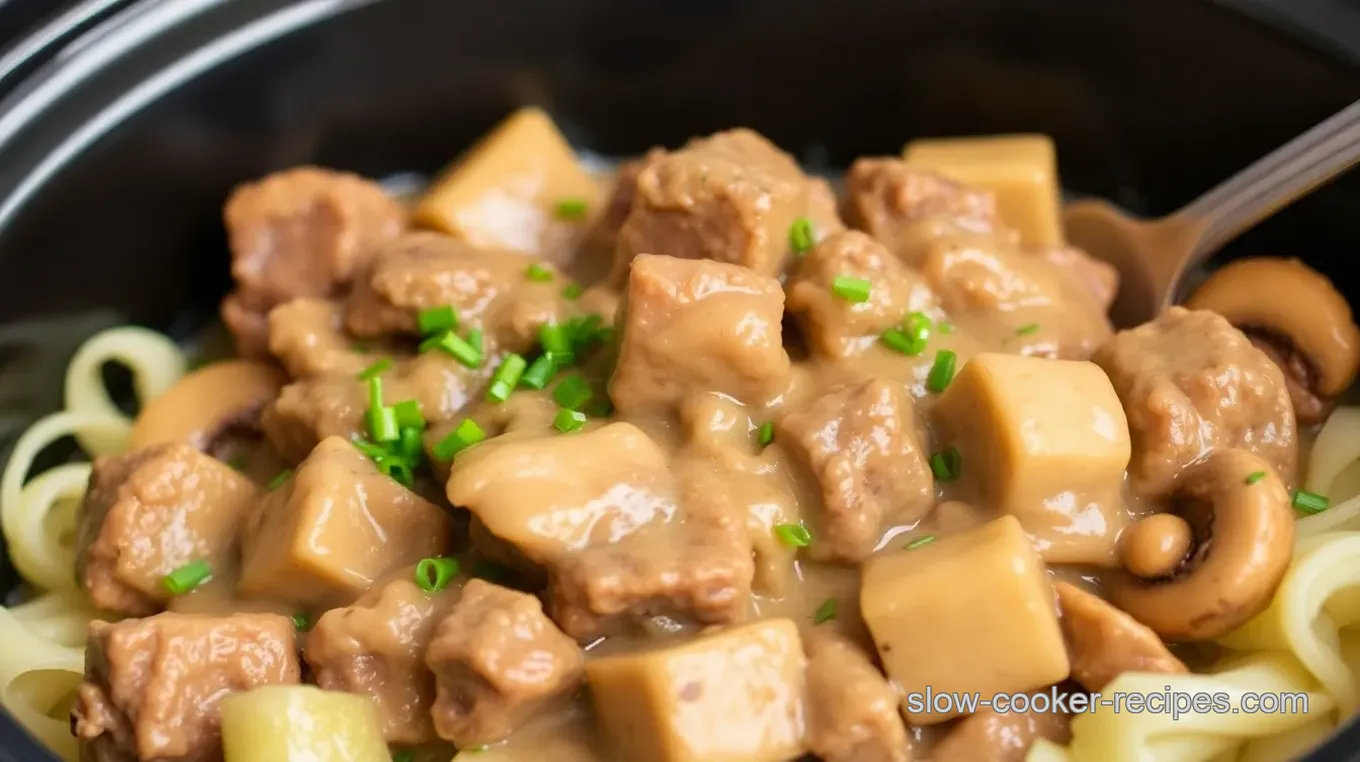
x=378 y=368
x=460 y=349
x=919 y=541
x=1310 y=502
x=1255 y=476
x=572 y=292
x=765 y=434
x=279 y=479
x=408 y=415
x=467 y=434
x=435 y=574
x=947 y=465
x=801 y=236
x=854 y=290
x=568 y=421
x=301 y=623
x=942 y=371
x=538 y=273
x=1026 y=330
x=539 y=373
x=825 y=612
x=505 y=378
x=793 y=535
x=187 y=577
x=571 y=209
x=572 y=392
x=437 y=320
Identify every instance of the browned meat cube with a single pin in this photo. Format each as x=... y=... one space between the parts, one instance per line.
x=731 y=197
x=604 y=236
x=308 y=338
x=992 y=736
x=851 y=709
x=376 y=648
x=1040 y=309
x=487 y=288
x=309 y=410
x=697 y=568
x=837 y=327
x=694 y=325
x=497 y=659
x=861 y=444
x=152 y=686
x=333 y=529
x=903 y=206
x=1191 y=382
x=302 y=232
x=151 y=511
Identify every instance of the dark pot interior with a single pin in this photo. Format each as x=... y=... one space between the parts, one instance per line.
x=115 y=158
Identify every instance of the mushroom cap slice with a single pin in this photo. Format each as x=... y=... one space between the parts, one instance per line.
x=1288 y=299
x=1104 y=642
x=1244 y=540
x=207 y=401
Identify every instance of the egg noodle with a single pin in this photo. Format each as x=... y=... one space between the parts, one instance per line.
x=1308 y=640
x=42 y=656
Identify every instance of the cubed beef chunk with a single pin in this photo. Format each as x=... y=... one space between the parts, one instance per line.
x=903 y=206
x=301 y=232
x=731 y=197
x=1024 y=302
x=695 y=325
x=604 y=235
x=376 y=648
x=151 y=511
x=497 y=659
x=309 y=410
x=851 y=709
x=487 y=288
x=1191 y=382
x=835 y=327
x=1104 y=642
x=992 y=736
x=152 y=686
x=308 y=338
x=861 y=445
x=333 y=528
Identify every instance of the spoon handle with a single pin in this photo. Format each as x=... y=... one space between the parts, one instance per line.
x=1275 y=181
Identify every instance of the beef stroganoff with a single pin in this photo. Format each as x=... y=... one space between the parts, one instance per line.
x=699 y=461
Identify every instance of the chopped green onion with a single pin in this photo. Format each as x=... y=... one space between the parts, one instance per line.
x=430 y=343
x=461 y=350
x=408 y=415
x=397 y=469
x=279 y=479
x=942 y=371
x=572 y=392
x=825 y=612
x=567 y=421
x=801 y=236
x=919 y=541
x=572 y=292
x=237 y=462
x=382 y=424
x=410 y=444
x=945 y=327
x=584 y=331
x=1255 y=476
x=376 y=369
x=435 y=574
x=947 y=465
x=505 y=378
x=467 y=434
x=301 y=623
x=554 y=338
x=539 y=373
x=539 y=273
x=917 y=325
x=793 y=535
x=404 y=756
x=1026 y=330
x=359 y=346
x=1310 y=502
x=477 y=342
x=562 y=360
x=437 y=320
x=898 y=341
x=187 y=577
x=601 y=408
x=571 y=209
x=765 y=434
x=373 y=451
x=850 y=289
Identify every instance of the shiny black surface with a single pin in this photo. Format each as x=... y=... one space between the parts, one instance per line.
x=115 y=159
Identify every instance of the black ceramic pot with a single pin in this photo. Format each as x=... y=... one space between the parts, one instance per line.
x=125 y=123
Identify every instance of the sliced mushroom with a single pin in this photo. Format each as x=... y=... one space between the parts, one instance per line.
x=1243 y=530
x=1295 y=315
x=204 y=405
x=1104 y=642
x=1156 y=546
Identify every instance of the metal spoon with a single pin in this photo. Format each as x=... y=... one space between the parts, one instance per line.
x=1153 y=255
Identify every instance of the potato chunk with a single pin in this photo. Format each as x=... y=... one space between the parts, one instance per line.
x=1047 y=441
x=334 y=528
x=732 y=696
x=300 y=723
x=504 y=192
x=971 y=612
x=1020 y=169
